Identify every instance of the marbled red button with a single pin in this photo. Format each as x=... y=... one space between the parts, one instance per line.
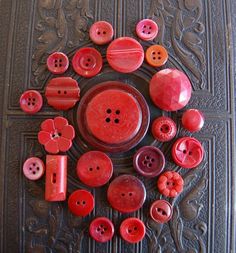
x=31 y=101
x=161 y=211
x=193 y=120
x=33 y=168
x=126 y=193
x=57 y=63
x=146 y=29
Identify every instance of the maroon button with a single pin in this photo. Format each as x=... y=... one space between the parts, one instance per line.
x=187 y=152
x=31 y=101
x=170 y=89
x=57 y=63
x=81 y=203
x=87 y=62
x=132 y=230
x=161 y=211
x=94 y=168
x=125 y=54
x=149 y=161
x=33 y=168
x=147 y=29
x=101 y=32
x=193 y=120
x=101 y=229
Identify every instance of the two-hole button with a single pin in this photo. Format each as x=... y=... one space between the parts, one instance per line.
x=161 y=211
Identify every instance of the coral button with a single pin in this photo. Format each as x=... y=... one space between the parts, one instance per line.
x=156 y=56
x=31 y=101
x=57 y=63
x=161 y=211
x=101 y=32
x=146 y=29
x=193 y=120
x=125 y=54
x=33 y=168
x=94 y=168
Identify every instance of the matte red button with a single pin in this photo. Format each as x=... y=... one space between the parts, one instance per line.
x=101 y=229
x=187 y=152
x=33 y=168
x=31 y=101
x=125 y=54
x=147 y=29
x=94 y=168
x=87 y=62
x=101 y=32
x=132 y=230
x=193 y=120
x=57 y=63
x=149 y=161
x=81 y=203
x=161 y=211
x=126 y=193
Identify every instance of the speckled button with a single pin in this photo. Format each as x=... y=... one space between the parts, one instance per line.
x=31 y=101
x=33 y=168
x=161 y=211
x=193 y=120
x=156 y=55
x=57 y=63
x=146 y=29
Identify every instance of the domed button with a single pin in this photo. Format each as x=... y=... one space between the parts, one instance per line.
x=193 y=120
x=170 y=89
x=81 y=203
x=146 y=29
x=132 y=230
x=126 y=193
x=156 y=56
x=94 y=168
x=125 y=54
x=101 y=229
x=57 y=63
x=33 y=168
x=149 y=161
x=161 y=211
x=187 y=152
x=31 y=101
x=87 y=62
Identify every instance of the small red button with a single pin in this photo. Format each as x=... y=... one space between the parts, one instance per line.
x=101 y=229
x=33 y=168
x=193 y=120
x=156 y=55
x=187 y=152
x=161 y=211
x=101 y=32
x=132 y=230
x=125 y=54
x=126 y=193
x=57 y=63
x=81 y=203
x=87 y=62
x=147 y=29
x=31 y=101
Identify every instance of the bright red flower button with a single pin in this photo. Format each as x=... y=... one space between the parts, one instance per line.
x=147 y=29
x=33 y=168
x=161 y=211
x=57 y=63
x=31 y=101
x=193 y=120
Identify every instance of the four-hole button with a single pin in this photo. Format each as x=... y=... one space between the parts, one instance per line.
x=156 y=55
x=146 y=29
x=33 y=168
x=57 y=63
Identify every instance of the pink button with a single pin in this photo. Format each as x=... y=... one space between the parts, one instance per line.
x=147 y=29
x=57 y=63
x=33 y=168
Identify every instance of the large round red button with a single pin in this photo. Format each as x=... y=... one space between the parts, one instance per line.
x=147 y=29
x=31 y=101
x=125 y=54
x=33 y=168
x=57 y=63
x=126 y=193
x=161 y=211
x=193 y=120
x=94 y=168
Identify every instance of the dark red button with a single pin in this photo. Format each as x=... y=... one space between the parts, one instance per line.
x=125 y=54
x=57 y=63
x=31 y=101
x=187 y=152
x=164 y=129
x=101 y=32
x=87 y=62
x=101 y=229
x=147 y=29
x=132 y=230
x=62 y=93
x=149 y=161
x=94 y=168
x=161 y=211
x=170 y=89
x=81 y=203
x=33 y=168
x=126 y=193
x=193 y=120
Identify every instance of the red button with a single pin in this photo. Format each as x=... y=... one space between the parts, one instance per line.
x=101 y=229
x=87 y=62
x=147 y=29
x=125 y=55
x=94 y=168
x=170 y=184
x=62 y=93
x=33 y=168
x=132 y=230
x=81 y=203
x=126 y=193
x=187 y=152
x=149 y=161
x=164 y=129
x=31 y=101
x=161 y=211
x=156 y=55
x=101 y=32
x=57 y=63
x=170 y=89
x=193 y=120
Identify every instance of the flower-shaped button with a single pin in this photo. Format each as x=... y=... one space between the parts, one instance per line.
x=193 y=120
x=33 y=168
x=147 y=29
x=161 y=211
x=57 y=63
x=31 y=101
x=156 y=55
x=56 y=135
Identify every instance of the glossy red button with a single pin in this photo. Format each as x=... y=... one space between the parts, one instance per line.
x=164 y=129
x=170 y=184
x=94 y=168
x=87 y=62
x=101 y=32
x=156 y=55
x=81 y=203
x=170 y=89
x=62 y=93
x=147 y=29
x=193 y=120
x=125 y=54
x=31 y=101
x=33 y=168
x=132 y=230
x=149 y=161
x=187 y=152
x=57 y=63
x=126 y=193
x=101 y=229
x=161 y=211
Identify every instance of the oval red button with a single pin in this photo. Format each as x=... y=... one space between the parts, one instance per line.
x=161 y=211
x=57 y=63
x=33 y=168
x=193 y=120
x=31 y=101
x=147 y=29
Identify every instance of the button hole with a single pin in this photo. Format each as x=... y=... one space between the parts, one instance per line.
x=101 y=226
x=149 y=33
x=154 y=58
x=149 y=165
x=117 y=111
x=98 y=33
x=30 y=168
x=153 y=53
x=104 y=32
x=105 y=229
x=29 y=103
x=150 y=27
x=167 y=183
x=184 y=151
x=56 y=65
x=190 y=153
x=86 y=64
x=34 y=99
x=144 y=162
x=147 y=157
x=159 y=210
x=59 y=92
x=159 y=58
x=34 y=172
x=135 y=228
x=129 y=230
x=37 y=168
x=77 y=203
x=102 y=232
x=60 y=65
x=54 y=178
x=98 y=229
x=59 y=134
x=130 y=194
x=108 y=110
x=98 y=168
x=65 y=92
x=108 y=120
x=84 y=202
x=60 y=60
x=145 y=26
x=143 y=31
x=117 y=121
x=33 y=103
x=159 y=52
x=89 y=59
x=91 y=169
x=152 y=160
x=29 y=99
x=163 y=213
x=34 y=164
x=122 y=194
